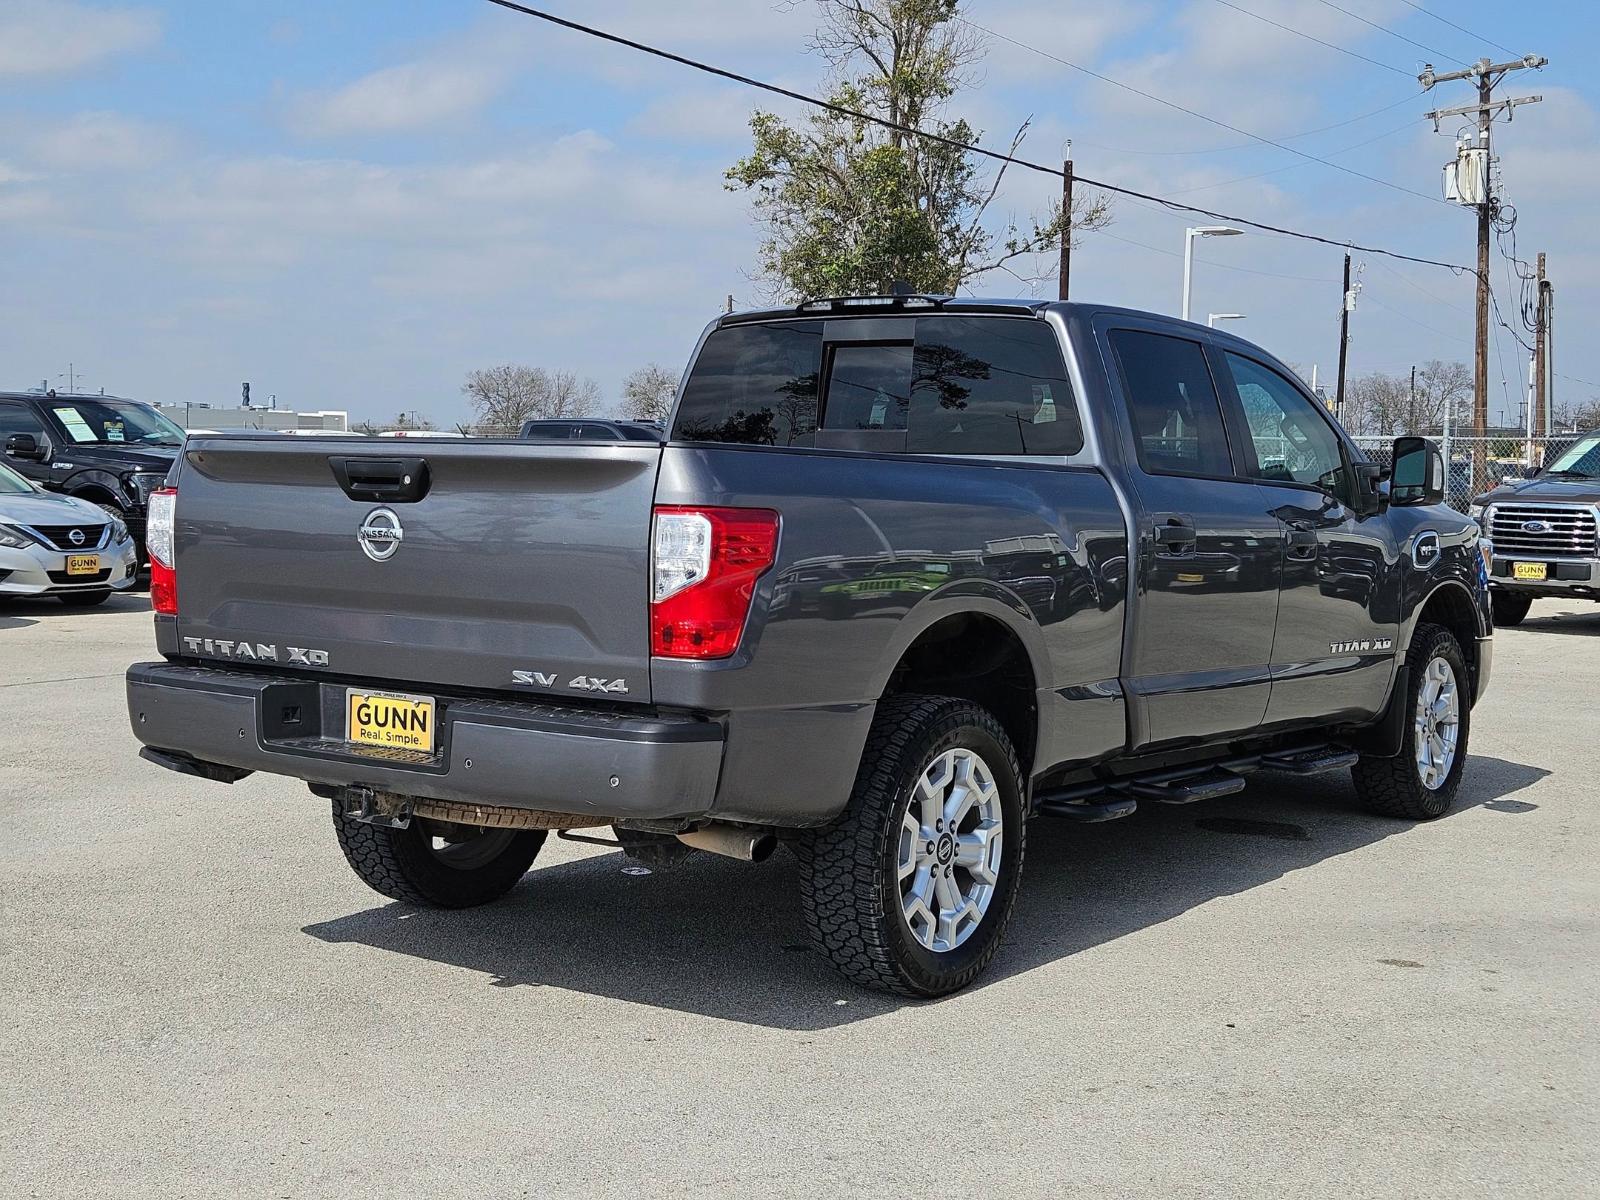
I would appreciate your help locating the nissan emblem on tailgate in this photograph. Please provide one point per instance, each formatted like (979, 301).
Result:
(380, 534)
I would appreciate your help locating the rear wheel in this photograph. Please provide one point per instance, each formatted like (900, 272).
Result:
(84, 599)
(1509, 607)
(437, 864)
(1420, 782)
(911, 890)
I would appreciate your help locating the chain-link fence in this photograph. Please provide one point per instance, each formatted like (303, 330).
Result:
(1477, 464)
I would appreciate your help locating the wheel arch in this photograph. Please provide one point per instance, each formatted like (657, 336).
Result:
(978, 644)
(1451, 605)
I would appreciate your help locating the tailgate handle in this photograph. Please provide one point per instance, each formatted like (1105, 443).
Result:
(382, 480)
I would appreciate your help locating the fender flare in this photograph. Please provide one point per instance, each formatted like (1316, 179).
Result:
(966, 596)
(1408, 627)
(98, 479)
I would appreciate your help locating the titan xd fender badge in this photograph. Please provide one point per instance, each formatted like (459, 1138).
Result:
(380, 534)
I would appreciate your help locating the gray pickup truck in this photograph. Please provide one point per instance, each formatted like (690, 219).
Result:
(1546, 533)
(904, 573)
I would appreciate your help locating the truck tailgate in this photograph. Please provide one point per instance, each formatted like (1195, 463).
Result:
(522, 566)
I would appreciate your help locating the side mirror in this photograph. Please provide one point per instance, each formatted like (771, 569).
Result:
(1418, 472)
(24, 445)
(1371, 497)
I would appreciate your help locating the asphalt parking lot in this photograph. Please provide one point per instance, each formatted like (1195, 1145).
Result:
(1271, 994)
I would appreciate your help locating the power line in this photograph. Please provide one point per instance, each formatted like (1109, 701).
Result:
(1440, 54)
(1151, 96)
(1288, 137)
(1461, 28)
(1212, 262)
(955, 143)
(1300, 33)
(1291, 166)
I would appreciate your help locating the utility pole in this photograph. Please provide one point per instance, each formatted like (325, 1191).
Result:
(1346, 305)
(1066, 227)
(1473, 179)
(1413, 416)
(1540, 337)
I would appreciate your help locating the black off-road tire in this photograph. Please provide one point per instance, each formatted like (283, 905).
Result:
(403, 865)
(849, 892)
(84, 599)
(1509, 608)
(1392, 787)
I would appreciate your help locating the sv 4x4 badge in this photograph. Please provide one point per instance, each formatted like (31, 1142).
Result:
(581, 683)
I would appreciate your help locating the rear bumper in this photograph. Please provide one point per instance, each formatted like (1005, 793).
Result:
(538, 756)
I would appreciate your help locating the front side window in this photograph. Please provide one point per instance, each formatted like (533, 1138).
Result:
(1293, 442)
(754, 385)
(991, 385)
(1177, 419)
(19, 418)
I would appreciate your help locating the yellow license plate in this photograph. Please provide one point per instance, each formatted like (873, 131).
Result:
(1529, 570)
(393, 721)
(83, 564)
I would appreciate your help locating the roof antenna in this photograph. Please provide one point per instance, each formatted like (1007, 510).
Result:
(901, 288)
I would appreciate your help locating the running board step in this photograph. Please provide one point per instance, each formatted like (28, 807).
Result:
(1086, 811)
(1311, 762)
(1186, 789)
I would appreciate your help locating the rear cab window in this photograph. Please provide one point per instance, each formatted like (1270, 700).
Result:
(950, 385)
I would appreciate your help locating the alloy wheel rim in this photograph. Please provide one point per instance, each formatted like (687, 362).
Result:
(1438, 724)
(948, 857)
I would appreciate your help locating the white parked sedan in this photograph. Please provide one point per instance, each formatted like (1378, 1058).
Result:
(60, 545)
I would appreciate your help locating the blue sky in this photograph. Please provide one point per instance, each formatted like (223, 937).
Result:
(353, 204)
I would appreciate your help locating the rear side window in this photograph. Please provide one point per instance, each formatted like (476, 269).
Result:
(754, 385)
(990, 385)
(1177, 419)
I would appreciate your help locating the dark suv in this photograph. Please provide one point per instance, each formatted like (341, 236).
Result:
(108, 450)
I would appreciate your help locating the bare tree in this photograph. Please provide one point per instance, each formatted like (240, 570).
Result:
(503, 397)
(1386, 404)
(1579, 417)
(647, 393)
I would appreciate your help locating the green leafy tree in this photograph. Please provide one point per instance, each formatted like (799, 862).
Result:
(852, 207)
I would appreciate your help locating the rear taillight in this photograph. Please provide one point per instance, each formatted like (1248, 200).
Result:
(158, 543)
(704, 566)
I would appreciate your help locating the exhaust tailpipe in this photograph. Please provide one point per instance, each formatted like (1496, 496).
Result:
(731, 841)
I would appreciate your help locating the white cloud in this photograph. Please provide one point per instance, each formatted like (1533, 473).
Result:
(100, 141)
(409, 96)
(39, 37)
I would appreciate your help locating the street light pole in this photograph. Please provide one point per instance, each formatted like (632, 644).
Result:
(1189, 236)
(1213, 318)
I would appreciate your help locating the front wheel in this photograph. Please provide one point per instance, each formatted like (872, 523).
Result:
(911, 889)
(1420, 782)
(1509, 608)
(437, 864)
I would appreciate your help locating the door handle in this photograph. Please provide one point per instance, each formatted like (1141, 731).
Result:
(1174, 533)
(1303, 544)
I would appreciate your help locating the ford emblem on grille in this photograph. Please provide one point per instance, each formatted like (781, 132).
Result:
(76, 537)
(1536, 527)
(380, 534)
